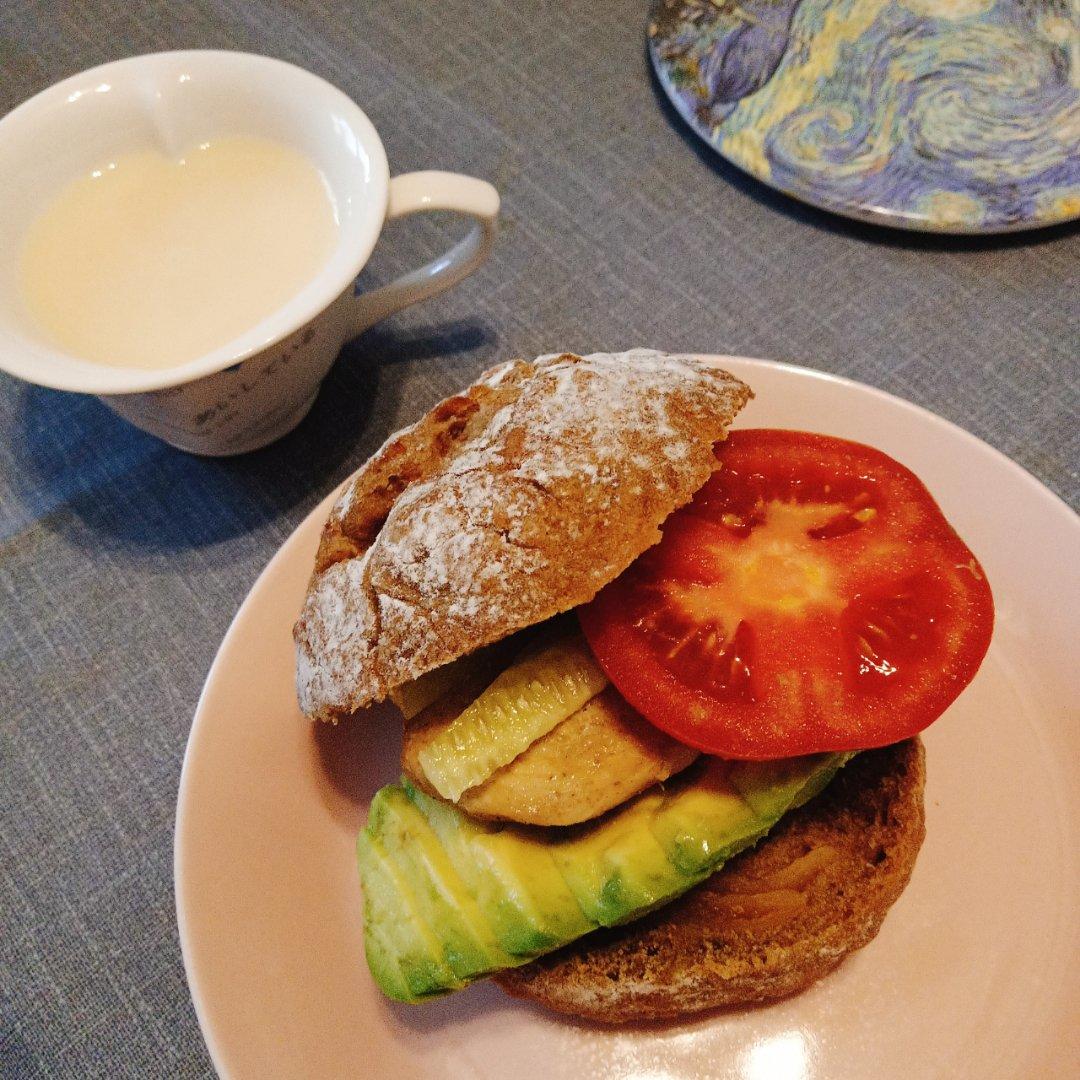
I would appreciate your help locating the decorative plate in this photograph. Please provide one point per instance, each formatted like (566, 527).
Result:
(952, 116)
(973, 975)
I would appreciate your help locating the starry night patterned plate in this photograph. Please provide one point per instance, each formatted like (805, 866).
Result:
(956, 116)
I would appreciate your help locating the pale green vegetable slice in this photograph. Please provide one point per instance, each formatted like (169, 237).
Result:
(475, 670)
(413, 697)
(523, 704)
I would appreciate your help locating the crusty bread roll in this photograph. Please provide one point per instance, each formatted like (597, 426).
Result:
(773, 921)
(505, 505)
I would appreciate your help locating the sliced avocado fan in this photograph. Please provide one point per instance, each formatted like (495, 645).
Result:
(448, 899)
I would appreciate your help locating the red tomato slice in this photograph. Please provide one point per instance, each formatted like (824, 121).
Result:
(812, 597)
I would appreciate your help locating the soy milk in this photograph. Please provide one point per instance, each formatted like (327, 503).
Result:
(152, 261)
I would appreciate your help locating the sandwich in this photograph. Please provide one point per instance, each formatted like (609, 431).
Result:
(662, 686)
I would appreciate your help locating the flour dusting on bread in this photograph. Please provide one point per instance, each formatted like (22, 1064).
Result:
(505, 505)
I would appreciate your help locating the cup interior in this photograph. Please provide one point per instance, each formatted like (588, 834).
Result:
(172, 102)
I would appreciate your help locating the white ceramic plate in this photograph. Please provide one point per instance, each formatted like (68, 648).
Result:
(974, 973)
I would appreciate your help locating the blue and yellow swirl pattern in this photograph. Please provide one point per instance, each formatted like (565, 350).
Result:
(945, 115)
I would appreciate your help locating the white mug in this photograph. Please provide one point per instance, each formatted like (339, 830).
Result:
(260, 385)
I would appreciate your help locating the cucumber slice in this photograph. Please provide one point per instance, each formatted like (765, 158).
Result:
(412, 698)
(523, 704)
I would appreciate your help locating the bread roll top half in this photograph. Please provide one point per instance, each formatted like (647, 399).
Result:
(509, 503)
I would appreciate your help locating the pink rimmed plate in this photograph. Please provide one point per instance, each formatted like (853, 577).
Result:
(974, 973)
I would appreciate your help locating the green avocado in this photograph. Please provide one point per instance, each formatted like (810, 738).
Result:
(385, 954)
(704, 820)
(448, 898)
(404, 952)
(441, 897)
(772, 788)
(618, 870)
(511, 874)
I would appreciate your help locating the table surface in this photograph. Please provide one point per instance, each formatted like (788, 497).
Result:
(122, 560)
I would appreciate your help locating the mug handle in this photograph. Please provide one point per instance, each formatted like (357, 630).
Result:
(412, 193)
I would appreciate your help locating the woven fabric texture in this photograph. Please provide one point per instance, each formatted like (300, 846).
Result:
(122, 560)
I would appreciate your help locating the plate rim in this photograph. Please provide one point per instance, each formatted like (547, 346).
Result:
(885, 219)
(216, 1051)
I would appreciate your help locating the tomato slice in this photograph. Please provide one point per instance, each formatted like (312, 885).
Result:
(812, 597)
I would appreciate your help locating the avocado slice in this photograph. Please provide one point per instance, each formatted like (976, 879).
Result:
(617, 869)
(772, 788)
(383, 954)
(473, 897)
(704, 820)
(441, 896)
(404, 953)
(512, 876)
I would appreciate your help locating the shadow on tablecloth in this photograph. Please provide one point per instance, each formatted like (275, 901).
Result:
(80, 469)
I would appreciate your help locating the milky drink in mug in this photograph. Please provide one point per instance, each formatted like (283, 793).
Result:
(151, 261)
(188, 229)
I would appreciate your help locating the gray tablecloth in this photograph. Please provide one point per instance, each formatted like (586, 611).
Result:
(122, 561)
